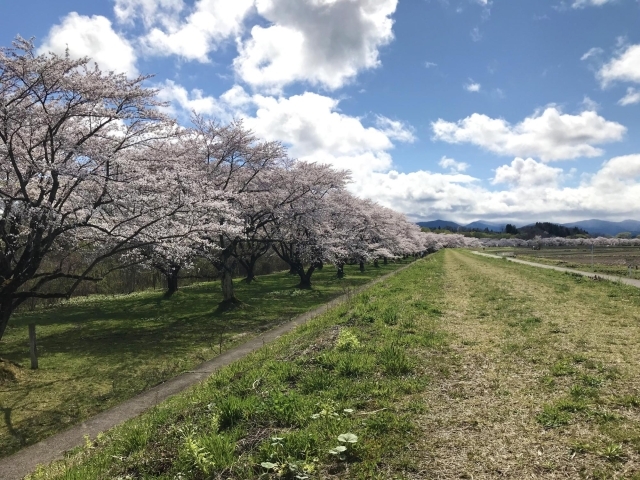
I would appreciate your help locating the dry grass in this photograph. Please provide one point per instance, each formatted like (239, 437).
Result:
(523, 339)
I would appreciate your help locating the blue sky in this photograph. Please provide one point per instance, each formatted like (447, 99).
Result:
(460, 109)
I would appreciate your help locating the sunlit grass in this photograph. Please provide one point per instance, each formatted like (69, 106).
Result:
(98, 351)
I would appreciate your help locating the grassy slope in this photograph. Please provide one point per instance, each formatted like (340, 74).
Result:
(468, 367)
(96, 352)
(262, 409)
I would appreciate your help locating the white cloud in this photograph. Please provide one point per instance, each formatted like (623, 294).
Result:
(322, 42)
(589, 104)
(92, 37)
(527, 173)
(183, 102)
(210, 23)
(430, 64)
(632, 96)
(472, 86)
(476, 34)
(548, 135)
(624, 68)
(533, 192)
(592, 53)
(453, 165)
(395, 129)
(150, 11)
(590, 3)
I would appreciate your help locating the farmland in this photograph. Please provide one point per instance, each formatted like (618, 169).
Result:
(606, 260)
(459, 367)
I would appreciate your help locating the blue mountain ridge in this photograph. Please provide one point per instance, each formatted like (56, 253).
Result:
(593, 226)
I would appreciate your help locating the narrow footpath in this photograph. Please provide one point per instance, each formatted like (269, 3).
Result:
(612, 278)
(20, 464)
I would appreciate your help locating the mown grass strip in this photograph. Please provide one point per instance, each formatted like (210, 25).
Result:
(332, 398)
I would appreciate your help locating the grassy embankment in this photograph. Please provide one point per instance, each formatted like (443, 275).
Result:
(96, 352)
(459, 367)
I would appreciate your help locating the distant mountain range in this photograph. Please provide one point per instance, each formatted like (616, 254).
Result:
(479, 225)
(594, 227)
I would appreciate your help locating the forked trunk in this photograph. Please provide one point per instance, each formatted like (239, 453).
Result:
(305, 277)
(172, 281)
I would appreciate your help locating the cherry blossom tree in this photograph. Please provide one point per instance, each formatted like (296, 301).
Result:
(67, 182)
(236, 163)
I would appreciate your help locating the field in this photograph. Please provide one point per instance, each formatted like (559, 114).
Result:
(96, 352)
(607, 260)
(458, 367)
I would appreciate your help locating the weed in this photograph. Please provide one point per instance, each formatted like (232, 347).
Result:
(613, 452)
(562, 368)
(552, 417)
(390, 316)
(347, 340)
(394, 360)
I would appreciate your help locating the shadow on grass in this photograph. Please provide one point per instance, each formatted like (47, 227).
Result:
(96, 352)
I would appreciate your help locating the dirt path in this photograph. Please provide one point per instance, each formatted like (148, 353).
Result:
(17, 466)
(539, 379)
(612, 278)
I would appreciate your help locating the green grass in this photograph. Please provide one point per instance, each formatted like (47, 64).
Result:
(285, 410)
(459, 367)
(96, 352)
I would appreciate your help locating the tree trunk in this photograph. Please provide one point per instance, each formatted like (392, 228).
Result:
(320, 265)
(340, 268)
(305, 277)
(228, 295)
(386, 261)
(361, 266)
(172, 281)
(249, 266)
(6, 309)
(376, 264)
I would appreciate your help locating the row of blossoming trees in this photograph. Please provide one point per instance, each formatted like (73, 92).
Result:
(561, 242)
(93, 174)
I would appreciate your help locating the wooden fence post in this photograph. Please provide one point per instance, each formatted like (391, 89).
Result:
(33, 347)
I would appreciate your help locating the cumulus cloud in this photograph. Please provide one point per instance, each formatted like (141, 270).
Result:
(548, 135)
(533, 191)
(183, 102)
(395, 129)
(624, 68)
(209, 23)
(92, 37)
(527, 173)
(632, 96)
(472, 86)
(322, 42)
(453, 165)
